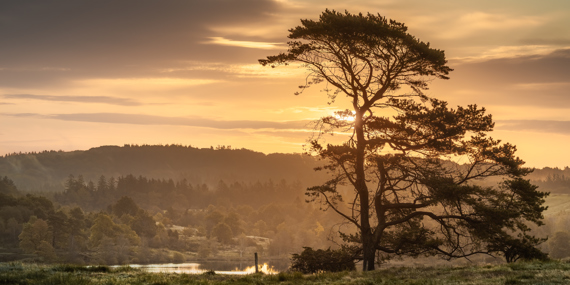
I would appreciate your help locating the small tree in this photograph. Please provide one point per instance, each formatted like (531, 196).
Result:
(223, 233)
(34, 233)
(125, 205)
(405, 195)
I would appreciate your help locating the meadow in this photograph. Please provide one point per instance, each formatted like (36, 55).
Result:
(551, 272)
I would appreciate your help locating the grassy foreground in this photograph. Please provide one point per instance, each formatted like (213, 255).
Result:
(553, 272)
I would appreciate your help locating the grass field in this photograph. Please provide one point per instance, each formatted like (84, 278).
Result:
(553, 272)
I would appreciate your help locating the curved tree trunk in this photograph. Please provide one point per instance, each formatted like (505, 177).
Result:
(368, 246)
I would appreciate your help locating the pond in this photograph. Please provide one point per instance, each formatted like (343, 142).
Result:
(220, 267)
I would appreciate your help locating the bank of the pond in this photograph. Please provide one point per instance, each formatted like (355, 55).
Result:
(554, 272)
(221, 267)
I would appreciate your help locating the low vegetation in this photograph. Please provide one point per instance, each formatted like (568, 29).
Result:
(330, 260)
(552, 272)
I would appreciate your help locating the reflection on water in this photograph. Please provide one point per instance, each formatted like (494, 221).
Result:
(262, 268)
(189, 268)
(222, 267)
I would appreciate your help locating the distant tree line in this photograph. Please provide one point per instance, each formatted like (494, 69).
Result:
(157, 194)
(134, 220)
(555, 182)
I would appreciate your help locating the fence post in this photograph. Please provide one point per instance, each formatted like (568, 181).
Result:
(256, 267)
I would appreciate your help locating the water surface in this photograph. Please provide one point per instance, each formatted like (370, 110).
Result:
(220, 267)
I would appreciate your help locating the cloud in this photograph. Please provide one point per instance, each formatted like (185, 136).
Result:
(328, 110)
(542, 86)
(546, 41)
(465, 24)
(138, 119)
(493, 21)
(244, 44)
(545, 126)
(35, 68)
(77, 99)
(509, 52)
(117, 39)
(146, 83)
(539, 81)
(237, 70)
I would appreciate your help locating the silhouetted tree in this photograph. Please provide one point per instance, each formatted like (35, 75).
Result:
(405, 198)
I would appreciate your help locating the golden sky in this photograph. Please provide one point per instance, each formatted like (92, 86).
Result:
(80, 74)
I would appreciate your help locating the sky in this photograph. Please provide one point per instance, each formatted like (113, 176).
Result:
(81, 74)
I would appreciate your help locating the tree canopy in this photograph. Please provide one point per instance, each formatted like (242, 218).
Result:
(407, 193)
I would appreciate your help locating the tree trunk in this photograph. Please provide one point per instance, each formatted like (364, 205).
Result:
(368, 250)
(368, 246)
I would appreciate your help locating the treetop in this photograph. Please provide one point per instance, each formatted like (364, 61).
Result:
(364, 56)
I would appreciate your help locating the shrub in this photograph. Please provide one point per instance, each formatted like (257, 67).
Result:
(313, 261)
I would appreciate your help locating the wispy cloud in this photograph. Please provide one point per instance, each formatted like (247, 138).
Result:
(76, 99)
(244, 44)
(467, 24)
(545, 126)
(541, 86)
(239, 70)
(146, 83)
(138, 119)
(35, 68)
(505, 52)
(540, 81)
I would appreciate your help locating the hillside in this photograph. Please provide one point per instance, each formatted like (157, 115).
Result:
(48, 170)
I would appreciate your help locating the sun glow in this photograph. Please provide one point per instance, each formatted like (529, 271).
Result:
(262, 268)
(243, 44)
(345, 115)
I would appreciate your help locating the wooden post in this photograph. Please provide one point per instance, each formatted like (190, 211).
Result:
(256, 267)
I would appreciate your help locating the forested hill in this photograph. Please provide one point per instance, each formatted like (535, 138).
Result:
(48, 170)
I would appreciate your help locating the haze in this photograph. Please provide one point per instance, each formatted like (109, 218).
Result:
(80, 74)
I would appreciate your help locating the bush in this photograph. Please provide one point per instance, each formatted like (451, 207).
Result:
(313, 261)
